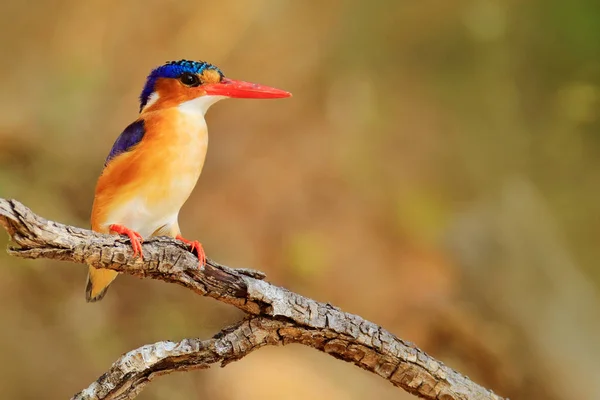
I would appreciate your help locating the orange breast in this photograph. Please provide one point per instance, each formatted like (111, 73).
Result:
(145, 187)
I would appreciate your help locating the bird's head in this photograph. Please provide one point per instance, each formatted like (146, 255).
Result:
(197, 85)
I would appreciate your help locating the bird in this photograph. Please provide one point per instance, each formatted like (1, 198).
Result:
(154, 164)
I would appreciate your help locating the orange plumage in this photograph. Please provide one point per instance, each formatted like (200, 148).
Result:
(154, 167)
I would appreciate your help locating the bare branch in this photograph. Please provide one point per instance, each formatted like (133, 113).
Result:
(278, 316)
(134, 370)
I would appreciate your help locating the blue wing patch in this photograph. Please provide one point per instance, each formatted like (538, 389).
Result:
(131, 136)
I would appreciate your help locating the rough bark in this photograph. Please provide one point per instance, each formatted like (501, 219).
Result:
(275, 315)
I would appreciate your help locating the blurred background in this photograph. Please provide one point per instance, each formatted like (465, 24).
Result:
(437, 172)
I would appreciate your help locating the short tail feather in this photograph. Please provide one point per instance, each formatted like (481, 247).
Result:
(98, 281)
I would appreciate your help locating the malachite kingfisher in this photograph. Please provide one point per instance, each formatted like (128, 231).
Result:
(154, 164)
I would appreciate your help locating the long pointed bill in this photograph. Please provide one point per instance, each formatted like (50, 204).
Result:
(243, 90)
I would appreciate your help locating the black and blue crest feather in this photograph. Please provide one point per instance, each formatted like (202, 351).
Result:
(173, 69)
(131, 136)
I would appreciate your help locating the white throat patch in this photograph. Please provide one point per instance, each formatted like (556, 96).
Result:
(199, 105)
(151, 99)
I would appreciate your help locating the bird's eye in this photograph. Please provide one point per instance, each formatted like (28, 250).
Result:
(189, 79)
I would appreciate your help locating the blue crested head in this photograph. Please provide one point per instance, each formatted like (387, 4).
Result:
(174, 69)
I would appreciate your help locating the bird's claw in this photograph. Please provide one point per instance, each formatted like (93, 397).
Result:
(135, 238)
(195, 246)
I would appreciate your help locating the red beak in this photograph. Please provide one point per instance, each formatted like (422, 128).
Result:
(243, 90)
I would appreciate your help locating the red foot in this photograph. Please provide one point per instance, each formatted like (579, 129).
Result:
(135, 238)
(195, 245)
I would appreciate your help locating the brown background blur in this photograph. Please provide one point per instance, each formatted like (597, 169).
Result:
(437, 172)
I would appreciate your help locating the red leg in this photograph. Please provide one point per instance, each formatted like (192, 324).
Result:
(135, 238)
(195, 245)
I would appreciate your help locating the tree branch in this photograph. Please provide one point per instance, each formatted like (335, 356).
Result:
(276, 315)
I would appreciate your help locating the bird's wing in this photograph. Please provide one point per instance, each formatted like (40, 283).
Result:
(131, 136)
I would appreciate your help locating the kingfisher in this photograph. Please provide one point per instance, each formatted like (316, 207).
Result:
(155, 163)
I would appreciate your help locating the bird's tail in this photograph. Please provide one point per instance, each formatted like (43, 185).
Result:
(97, 283)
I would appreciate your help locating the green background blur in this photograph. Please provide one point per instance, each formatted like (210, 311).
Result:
(437, 172)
